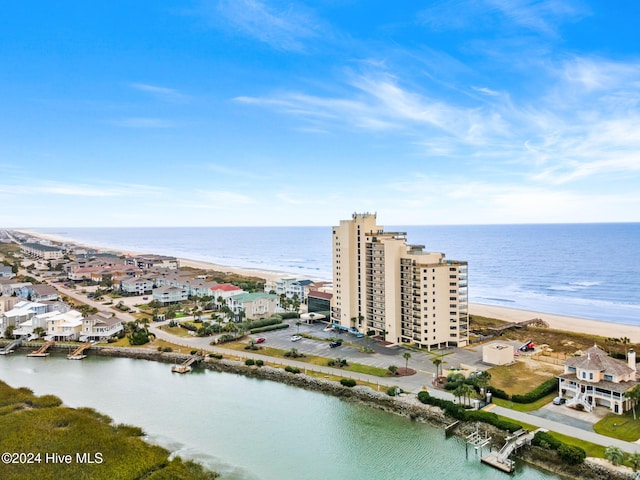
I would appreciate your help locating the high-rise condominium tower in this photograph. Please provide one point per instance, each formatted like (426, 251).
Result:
(399, 291)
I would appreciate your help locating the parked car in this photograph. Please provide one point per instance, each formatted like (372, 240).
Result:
(335, 344)
(295, 338)
(558, 401)
(261, 340)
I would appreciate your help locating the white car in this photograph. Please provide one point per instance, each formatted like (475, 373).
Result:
(295, 338)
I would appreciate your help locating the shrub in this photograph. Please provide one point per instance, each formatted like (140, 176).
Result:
(227, 338)
(259, 363)
(269, 328)
(572, 455)
(288, 315)
(393, 391)
(545, 440)
(193, 352)
(497, 393)
(217, 356)
(347, 382)
(393, 370)
(291, 369)
(167, 349)
(262, 323)
(537, 393)
(249, 362)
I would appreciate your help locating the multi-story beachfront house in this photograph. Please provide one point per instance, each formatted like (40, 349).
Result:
(39, 293)
(21, 312)
(595, 379)
(100, 326)
(222, 291)
(44, 252)
(401, 292)
(64, 326)
(137, 286)
(167, 295)
(254, 305)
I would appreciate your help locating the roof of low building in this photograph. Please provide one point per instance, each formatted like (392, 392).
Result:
(39, 246)
(619, 387)
(225, 287)
(44, 290)
(250, 297)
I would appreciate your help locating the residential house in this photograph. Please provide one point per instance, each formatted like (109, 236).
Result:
(6, 271)
(39, 293)
(64, 326)
(167, 295)
(37, 250)
(26, 329)
(254, 305)
(222, 292)
(595, 379)
(9, 288)
(137, 286)
(298, 289)
(149, 261)
(100, 326)
(21, 312)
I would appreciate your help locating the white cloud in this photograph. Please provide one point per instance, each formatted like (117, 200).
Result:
(162, 93)
(287, 26)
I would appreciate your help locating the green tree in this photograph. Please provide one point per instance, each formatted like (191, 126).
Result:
(614, 455)
(467, 392)
(634, 396)
(393, 369)
(437, 362)
(8, 332)
(298, 323)
(406, 356)
(634, 460)
(39, 331)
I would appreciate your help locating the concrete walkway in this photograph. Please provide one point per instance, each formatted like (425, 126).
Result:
(413, 383)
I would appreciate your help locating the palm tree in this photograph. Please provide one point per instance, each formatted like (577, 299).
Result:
(634, 396)
(458, 393)
(406, 356)
(467, 391)
(634, 460)
(614, 455)
(437, 362)
(298, 323)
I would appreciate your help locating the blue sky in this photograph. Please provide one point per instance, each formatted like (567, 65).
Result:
(256, 112)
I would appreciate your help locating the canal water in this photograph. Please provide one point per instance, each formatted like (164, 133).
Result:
(249, 429)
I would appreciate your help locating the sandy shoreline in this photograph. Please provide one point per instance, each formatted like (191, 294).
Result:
(558, 322)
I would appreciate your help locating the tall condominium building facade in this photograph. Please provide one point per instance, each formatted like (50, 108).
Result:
(399, 291)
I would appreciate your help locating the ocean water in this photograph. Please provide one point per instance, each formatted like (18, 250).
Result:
(583, 270)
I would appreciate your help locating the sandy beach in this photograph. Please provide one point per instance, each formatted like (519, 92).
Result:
(558, 322)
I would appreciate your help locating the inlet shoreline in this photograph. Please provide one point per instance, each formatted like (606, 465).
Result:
(598, 327)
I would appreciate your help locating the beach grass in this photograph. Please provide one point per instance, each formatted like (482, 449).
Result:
(519, 377)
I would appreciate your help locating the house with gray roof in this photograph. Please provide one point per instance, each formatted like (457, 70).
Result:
(595, 379)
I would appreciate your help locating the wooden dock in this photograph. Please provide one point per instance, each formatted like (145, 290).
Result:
(78, 354)
(9, 348)
(537, 322)
(42, 351)
(185, 367)
(500, 459)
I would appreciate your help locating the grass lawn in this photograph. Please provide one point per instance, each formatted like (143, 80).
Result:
(311, 359)
(524, 407)
(520, 377)
(623, 427)
(592, 449)
(177, 331)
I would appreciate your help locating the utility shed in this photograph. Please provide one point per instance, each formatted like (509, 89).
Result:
(497, 354)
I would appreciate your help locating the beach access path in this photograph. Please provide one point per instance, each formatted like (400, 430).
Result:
(412, 383)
